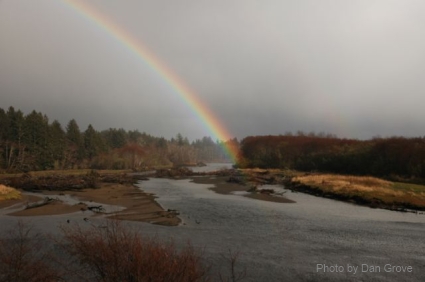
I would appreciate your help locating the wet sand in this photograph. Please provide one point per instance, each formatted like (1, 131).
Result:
(53, 208)
(136, 204)
(25, 199)
(139, 206)
(221, 186)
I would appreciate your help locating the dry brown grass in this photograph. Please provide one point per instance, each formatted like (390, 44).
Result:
(9, 193)
(62, 172)
(366, 187)
(334, 182)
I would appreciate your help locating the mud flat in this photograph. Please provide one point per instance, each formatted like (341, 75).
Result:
(122, 201)
(223, 186)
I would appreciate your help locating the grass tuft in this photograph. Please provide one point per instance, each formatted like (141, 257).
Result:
(9, 193)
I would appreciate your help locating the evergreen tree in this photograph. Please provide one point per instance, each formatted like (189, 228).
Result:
(115, 138)
(57, 143)
(36, 140)
(73, 133)
(14, 148)
(92, 142)
(134, 136)
(75, 150)
(3, 136)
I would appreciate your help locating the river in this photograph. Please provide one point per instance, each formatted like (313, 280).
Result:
(314, 239)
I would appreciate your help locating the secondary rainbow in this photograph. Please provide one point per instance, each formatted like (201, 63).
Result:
(209, 120)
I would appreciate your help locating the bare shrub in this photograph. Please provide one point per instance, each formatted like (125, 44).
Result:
(23, 256)
(234, 275)
(116, 253)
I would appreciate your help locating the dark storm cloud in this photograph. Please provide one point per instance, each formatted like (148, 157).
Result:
(353, 68)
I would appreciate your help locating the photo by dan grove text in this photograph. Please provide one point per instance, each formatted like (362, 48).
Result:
(354, 269)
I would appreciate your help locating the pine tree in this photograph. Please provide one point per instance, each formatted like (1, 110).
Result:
(92, 142)
(3, 137)
(14, 147)
(57, 143)
(36, 140)
(115, 138)
(75, 145)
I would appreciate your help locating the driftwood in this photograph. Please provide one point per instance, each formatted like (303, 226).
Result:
(236, 179)
(174, 212)
(266, 191)
(96, 208)
(46, 201)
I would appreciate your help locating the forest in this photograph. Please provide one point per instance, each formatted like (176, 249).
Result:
(392, 158)
(31, 142)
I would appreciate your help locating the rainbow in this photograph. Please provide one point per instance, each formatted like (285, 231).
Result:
(208, 119)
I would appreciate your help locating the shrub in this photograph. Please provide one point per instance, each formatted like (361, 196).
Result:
(115, 253)
(24, 258)
(109, 253)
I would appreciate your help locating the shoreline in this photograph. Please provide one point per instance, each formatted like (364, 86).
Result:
(360, 200)
(130, 201)
(118, 197)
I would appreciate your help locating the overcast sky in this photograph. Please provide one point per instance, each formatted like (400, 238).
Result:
(351, 68)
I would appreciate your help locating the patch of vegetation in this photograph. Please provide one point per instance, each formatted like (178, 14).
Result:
(69, 180)
(370, 191)
(116, 253)
(63, 172)
(409, 187)
(9, 193)
(397, 158)
(111, 253)
(23, 257)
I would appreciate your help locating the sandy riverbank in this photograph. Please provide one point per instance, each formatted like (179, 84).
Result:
(129, 201)
(25, 199)
(136, 205)
(221, 186)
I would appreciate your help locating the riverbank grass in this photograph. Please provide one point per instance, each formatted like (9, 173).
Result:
(369, 189)
(65, 172)
(9, 193)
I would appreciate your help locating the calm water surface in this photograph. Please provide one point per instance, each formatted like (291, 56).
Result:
(287, 242)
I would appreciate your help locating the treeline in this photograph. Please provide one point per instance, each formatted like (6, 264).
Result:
(32, 142)
(382, 157)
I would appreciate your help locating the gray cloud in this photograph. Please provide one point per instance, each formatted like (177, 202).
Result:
(353, 68)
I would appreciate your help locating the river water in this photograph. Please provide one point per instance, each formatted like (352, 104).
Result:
(314, 239)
